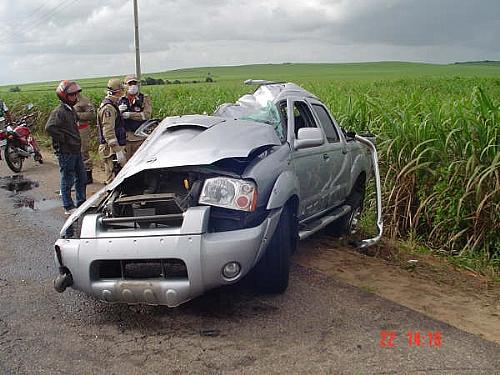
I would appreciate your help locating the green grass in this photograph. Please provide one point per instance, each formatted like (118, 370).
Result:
(299, 72)
(437, 128)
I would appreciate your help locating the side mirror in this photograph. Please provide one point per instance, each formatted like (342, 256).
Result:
(309, 137)
(147, 128)
(349, 135)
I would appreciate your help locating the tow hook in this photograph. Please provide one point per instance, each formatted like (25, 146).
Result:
(63, 280)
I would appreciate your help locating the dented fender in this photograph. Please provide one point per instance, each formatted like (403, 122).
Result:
(286, 186)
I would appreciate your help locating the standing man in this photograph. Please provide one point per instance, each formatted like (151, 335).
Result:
(136, 109)
(86, 115)
(62, 126)
(4, 113)
(112, 137)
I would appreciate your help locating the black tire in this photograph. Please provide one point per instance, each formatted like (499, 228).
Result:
(15, 164)
(347, 224)
(272, 271)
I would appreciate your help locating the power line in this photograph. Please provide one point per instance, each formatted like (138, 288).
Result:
(35, 22)
(38, 10)
(22, 17)
(64, 4)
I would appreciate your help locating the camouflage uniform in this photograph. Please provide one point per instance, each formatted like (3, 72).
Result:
(111, 131)
(138, 111)
(86, 116)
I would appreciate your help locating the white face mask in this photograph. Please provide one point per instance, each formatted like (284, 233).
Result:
(133, 89)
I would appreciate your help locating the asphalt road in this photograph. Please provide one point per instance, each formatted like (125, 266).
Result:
(320, 325)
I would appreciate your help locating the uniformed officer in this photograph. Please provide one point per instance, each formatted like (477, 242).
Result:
(4, 113)
(111, 130)
(136, 109)
(86, 116)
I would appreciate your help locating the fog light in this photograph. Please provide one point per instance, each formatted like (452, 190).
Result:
(231, 270)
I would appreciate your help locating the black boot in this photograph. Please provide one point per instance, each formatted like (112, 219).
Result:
(38, 157)
(90, 180)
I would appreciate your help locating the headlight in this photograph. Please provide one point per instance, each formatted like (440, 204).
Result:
(229, 193)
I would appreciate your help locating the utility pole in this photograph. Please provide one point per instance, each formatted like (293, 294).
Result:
(136, 40)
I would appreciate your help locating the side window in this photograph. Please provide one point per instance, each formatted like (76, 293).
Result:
(303, 117)
(326, 122)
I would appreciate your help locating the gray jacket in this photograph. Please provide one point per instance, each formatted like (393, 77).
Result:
(62, 126)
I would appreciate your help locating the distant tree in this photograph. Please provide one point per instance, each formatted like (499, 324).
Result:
(209, 79)
(168, 82)
(160, 81)
(15, 89)
(150, 81)
(176, 81)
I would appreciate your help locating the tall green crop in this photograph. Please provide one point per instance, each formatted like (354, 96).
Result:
(438, 140)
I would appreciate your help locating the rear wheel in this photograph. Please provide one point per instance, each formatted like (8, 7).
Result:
(272, 271)
(348, 224)
(13, 159)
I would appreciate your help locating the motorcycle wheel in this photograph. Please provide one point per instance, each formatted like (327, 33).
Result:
(13, 159)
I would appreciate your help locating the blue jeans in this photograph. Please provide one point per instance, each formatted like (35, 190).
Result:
(72, 172)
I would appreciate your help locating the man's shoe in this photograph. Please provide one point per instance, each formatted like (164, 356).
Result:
(38, 158)
(70, 211)
(90, 180)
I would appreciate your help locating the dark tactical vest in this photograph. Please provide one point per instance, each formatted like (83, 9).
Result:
(120, 133)
(136, 106)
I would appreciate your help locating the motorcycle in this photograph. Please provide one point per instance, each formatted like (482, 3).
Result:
(18, 144)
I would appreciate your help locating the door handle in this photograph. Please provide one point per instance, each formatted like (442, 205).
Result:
(326, 157)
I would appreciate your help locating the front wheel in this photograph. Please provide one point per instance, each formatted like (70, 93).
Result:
(13, 159)
(273, 269)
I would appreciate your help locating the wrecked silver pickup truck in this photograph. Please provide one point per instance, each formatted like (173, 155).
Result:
(207, 199)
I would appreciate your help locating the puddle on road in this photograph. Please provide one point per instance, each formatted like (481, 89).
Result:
(17, 183)
(47, 204)
(24, 202)
(43, 205)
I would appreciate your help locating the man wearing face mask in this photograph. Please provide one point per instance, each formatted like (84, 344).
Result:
(62, 126)
(135, 108)
(111, 130)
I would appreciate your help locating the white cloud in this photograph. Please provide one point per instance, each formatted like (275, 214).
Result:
(55, 39)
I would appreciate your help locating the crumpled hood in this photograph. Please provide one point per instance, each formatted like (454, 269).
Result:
(197, 140)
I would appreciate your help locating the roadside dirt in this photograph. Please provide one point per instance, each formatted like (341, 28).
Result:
(430, 286)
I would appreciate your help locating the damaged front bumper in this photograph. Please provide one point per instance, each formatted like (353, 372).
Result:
(159, 266)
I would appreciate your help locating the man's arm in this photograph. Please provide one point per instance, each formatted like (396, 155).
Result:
(145, 114)
(85, 110)
(53, 127)
(108, 118)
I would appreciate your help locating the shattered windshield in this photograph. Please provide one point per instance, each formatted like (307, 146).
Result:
(258, 107)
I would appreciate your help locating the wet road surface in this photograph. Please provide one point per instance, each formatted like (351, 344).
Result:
(320, 325)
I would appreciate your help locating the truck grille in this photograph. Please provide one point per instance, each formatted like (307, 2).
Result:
(133, 269)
